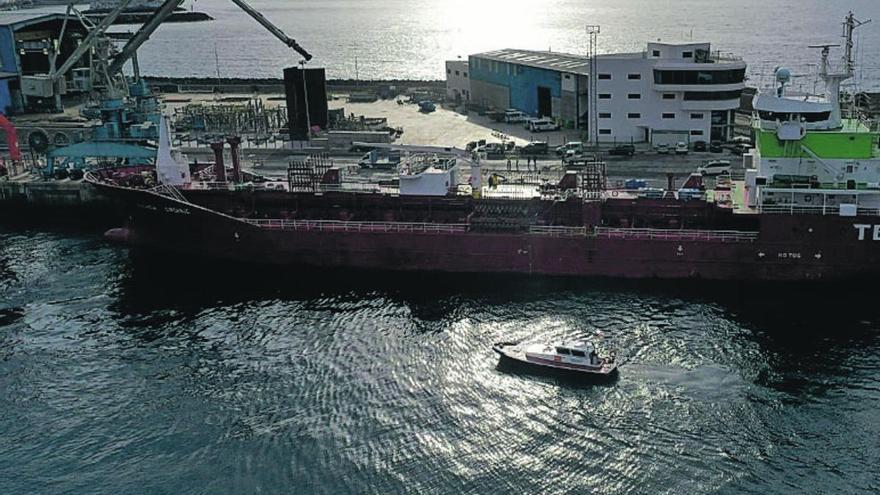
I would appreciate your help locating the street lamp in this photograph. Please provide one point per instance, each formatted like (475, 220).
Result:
(302, 64)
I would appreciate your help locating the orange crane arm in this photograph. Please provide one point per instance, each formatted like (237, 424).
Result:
(11, 138)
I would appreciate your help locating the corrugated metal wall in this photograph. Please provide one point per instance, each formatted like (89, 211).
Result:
(7, 64)
(489, 78)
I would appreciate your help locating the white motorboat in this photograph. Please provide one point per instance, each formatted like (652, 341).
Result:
(580, 358)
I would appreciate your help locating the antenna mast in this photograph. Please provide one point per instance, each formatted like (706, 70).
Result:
(849, 25)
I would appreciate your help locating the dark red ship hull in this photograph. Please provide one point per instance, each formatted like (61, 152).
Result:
(783, 247)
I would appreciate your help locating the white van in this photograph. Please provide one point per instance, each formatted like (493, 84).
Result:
(512, 116)
(543, 124)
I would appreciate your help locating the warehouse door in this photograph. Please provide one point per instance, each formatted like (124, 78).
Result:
(545, 106)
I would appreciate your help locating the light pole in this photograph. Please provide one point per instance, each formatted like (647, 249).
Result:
(302, 64)
(593, 32)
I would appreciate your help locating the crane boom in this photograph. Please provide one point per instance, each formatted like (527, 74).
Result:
(90, 40)
(143, 34)
(287, 40)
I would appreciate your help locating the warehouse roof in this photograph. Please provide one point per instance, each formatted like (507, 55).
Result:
(562, 62)
(19, 19)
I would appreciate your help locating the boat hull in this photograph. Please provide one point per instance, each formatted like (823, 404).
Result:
(787, 247)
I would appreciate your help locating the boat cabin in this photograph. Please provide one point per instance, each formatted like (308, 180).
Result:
(576, 353)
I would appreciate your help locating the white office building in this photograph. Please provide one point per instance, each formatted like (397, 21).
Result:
(458, 84)
(665, 94)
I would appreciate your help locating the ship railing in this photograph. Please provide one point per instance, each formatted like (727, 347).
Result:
(559, 231)
(645, 234)
(792, 209)
(676, 235)
(367, 227)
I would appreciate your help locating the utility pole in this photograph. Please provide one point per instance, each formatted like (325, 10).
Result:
(302, 64)
(593, 126)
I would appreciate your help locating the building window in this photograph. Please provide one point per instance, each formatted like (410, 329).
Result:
(457, 73)
(604, 115)
(656, 53)
(633, 115)
(464, 74)
(687, 54)
(604, 96)
(605, 131)
(668, 96)
(604, 76)
(732, 76)
(634, 77)
(634, 96)
(567, 76)
(449, 71)
(696, 116)
(668, 115)
(696, 133)
(712, 95)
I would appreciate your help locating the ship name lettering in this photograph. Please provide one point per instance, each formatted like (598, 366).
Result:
(793, 256)
(863, 228)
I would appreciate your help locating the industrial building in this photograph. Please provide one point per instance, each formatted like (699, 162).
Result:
(665, 94)
(28, 44)
(537, 83)
(458, 86)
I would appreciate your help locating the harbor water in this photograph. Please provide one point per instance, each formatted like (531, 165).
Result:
(126, 373)
(411, 39)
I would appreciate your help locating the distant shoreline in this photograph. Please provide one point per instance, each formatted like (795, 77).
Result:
(276, 85)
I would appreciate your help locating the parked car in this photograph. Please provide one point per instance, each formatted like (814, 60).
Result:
(427, 106)
(742, 140)
(576, 146)
(535, 148)
(543, 124)
(681, 148)
(740, 149)
(715, 147)
(700, 145)
(622, 150)
(512, 116)
(715, 167)
(663, 149)
(492, 150)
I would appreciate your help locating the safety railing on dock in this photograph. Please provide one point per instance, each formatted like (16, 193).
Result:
(676, 235)
(367, 227)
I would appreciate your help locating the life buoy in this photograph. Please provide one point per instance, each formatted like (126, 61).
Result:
(614, 193)
(808, 198)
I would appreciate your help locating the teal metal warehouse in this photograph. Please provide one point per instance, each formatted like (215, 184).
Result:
(541, 84)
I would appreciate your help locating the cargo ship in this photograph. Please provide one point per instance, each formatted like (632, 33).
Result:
(807, 208)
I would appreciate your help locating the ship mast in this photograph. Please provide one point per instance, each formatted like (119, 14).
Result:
(833, 80)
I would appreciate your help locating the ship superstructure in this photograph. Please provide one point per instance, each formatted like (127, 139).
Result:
(809, 156)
